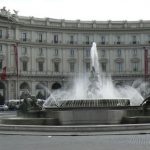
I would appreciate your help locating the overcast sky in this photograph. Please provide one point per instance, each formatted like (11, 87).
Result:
(101, 10)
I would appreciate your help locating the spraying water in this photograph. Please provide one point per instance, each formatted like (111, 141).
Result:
(97, 86)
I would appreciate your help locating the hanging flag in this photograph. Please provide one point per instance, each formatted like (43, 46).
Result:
(3, 74)
(145, 60)
(16, 57)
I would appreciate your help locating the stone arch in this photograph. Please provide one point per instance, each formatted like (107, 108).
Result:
(25, 86)
(2, 93)
(24, 89)
(40, 91)
(56, 86)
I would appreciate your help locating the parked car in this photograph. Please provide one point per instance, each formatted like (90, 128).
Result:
(3, 107)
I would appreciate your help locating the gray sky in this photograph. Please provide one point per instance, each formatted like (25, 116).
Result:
(101, 10)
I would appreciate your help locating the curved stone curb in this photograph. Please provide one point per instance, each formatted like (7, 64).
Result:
(74, 129)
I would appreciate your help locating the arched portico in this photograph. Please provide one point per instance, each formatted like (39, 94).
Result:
(56, 86)
(40, 91)
(24, 88)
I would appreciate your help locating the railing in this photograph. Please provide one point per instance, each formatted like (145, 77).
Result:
(25, 40)
(41, 41)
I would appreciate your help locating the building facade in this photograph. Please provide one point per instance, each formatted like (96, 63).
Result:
(51, 52)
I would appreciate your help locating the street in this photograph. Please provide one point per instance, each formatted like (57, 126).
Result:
(98, 142)
(127, 140)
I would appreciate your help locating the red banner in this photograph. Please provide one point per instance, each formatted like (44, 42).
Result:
(3, 74)
(16, 57)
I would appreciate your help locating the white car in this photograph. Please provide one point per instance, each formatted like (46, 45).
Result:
(3, 107)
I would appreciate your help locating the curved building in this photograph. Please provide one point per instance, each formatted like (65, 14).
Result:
(51, 52)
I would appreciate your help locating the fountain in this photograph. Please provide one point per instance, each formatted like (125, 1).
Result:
(92, 100)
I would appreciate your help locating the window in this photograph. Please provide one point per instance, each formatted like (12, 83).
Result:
(72, 67)
(149, 39)
(24, 65)
(71, 39)
(102, 40)
(56, 52)
(24, 36)
(103, 52)
(7, 33)
(135, 66)
(0, 48)
(87, 40)
(119, 67)
(87, 65)
(1, 64)
(134, 52)
(87, 51)
(56, 67)
(119, 52)
(55, 38)
(40, 64)
(71, 52)
(103, 65)
(24, 50)
(118, 39)
(149, 67)
(0, 33)
(40, 37)
(134, 39)
(40, 52)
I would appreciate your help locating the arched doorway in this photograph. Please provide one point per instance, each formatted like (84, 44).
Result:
(56, 86)
(24, 90)
(2, 93)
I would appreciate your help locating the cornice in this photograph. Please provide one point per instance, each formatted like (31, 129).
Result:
(77, 28)
(134, 60)
(103, 60)
(40, 59)
(56, 60)
(24, 58)
(73, 25)
(82, 29)
(119, 60)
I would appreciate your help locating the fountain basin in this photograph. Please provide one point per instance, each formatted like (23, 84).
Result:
(99, 115)
(29, 121)
(89, 111)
